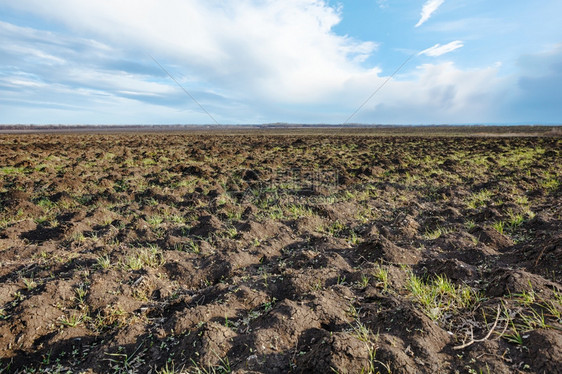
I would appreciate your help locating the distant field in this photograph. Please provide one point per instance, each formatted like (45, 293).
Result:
(380, 130)
(281, 249)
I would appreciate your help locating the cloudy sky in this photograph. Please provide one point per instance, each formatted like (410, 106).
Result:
(263, 61)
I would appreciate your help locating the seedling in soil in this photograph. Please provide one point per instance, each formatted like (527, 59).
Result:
(193, 247)
(469, 224)
(80, 294)
(150, 256)
(522, 200)
(352, 311)
(373, 363)
(479, 199)
(499, 226)
(265, 275)
(381, 275)
(9, 170)
(515, 219)
(103, 262)
(558, 297)
(227, 323)
(316, 286)
(73, 320)
(526, 297)
(440, 295)
(353, 239)
(438, 232)
(514, 337)
(17, 298)
(155, 221)
(222, 368)
(169, 370)
(551, 184)
(123, 363)
(341, 280)
(335, 229)
(364, 281)
(78, 237)
(233, 215)
(46, 204)
(276, 213)
(230, 232)
(30, 284)
(298, 211)
(361, 332)
(534, 320)
(553, 311)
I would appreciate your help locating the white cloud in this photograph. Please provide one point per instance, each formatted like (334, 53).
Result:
(280, 50)
(439, 93)
(246, 61)
(438, 49)
(428, 9)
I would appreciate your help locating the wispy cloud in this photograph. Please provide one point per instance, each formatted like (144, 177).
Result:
(438, 49)
(251, 61)
(428, 9)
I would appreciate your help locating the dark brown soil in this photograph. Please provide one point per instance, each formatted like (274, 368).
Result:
(189, 253)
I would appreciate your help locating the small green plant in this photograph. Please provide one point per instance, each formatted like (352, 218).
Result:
(515, 219)
(79, 237)
(18, 296)
(9, 170)
(551, 183)
(534, 320)
(80, 292)
(168, 369)
(440, 295)
(103, 262)
(364, 282)
(177, 218)
(123, 363)
(113, 316)
(73, 320)
(353, 239)
(438, 232)
(316, 286)
(276, 213)
(381, 275)
(522, 200)
(222, 367)
(150, 256)
(499, 226)
(335, 229)
(526, 297)
(514, 336)
(341, 280)
(231, 232)
(479, 199)
(298, 211)
(352, 311)
(30, 284)
(470, 224)
(193, 247)
(361, 332)
(552, 310)
(155, 221)
(46, 204)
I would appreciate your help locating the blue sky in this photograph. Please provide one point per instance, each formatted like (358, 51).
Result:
(263, 61)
